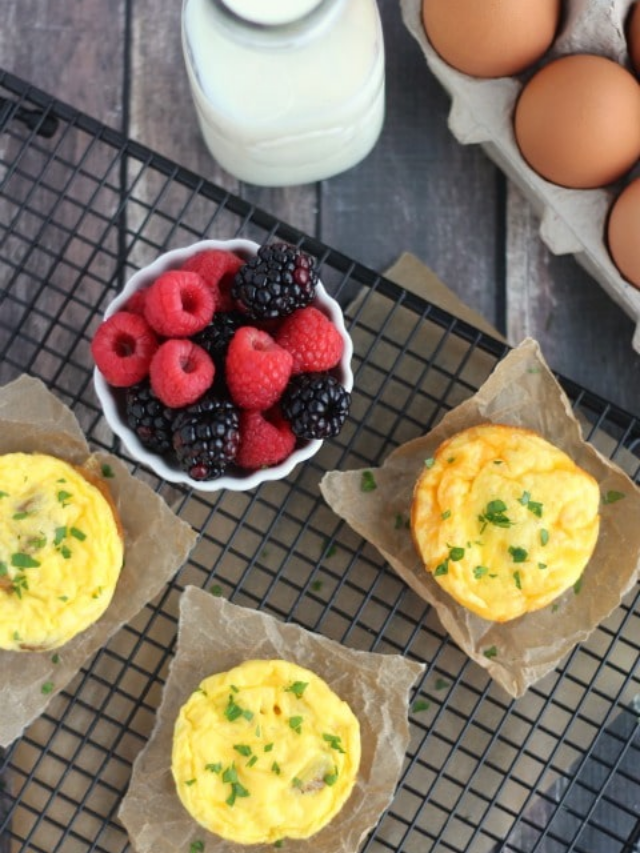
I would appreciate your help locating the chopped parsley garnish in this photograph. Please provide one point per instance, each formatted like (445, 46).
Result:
(420, 705)
(296, 783)
(64, 497)
(517, 580)
(577, 586)
(20, 516)
(275, 768)
(230, 777)
(297, 688)
(279, 843)
(19, 585)
(518, 555)
(456, 554)
(55, 658)
(442, 569)
(16, 636)
(498, 461)
(532, 506)
(495, 514)
(4, 494)
(329, 549)
(107, 470)
(252, 761)
(196, 847)
(542, 565)
(334, 742)
(544, 536)
(47, 687)
(3, 569)
(401, 521)
(430, 462)
(295, 723)
(216, 590)
(612, 496)
(446, 514)
(316, 586)
(214, 768)
(60, 534)
(331, 778)
(368, 482)
(491, 652)
(268, 747)
(190, 782)
(78, 534)
(64, 598)
(23, 561)
(233, 711)
(451, 460)
(242, 748)
(441, 684)
(480, 572)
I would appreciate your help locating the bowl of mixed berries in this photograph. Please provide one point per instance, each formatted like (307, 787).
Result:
(224, 364)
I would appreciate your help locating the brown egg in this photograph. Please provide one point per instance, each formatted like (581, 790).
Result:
(491, 38)
(577, 121)
(633, 36)
(623, 232)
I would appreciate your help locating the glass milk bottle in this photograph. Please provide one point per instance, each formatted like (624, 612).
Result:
(286, 91)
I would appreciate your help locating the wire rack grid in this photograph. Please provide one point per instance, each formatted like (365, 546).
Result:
(81, 209)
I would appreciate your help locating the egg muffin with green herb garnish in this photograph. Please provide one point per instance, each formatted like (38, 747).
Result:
(61, 551)
(504, 521)
(265, 751)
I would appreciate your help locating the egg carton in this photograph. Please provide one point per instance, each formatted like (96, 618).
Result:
(571, 221)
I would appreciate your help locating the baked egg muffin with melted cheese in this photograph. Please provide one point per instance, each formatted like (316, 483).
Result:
(265, 751)
(61, 551)
(504, 520)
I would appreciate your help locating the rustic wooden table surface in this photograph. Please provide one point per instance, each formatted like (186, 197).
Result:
(419, 190)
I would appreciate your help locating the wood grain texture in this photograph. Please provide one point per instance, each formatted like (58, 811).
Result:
(419, 190)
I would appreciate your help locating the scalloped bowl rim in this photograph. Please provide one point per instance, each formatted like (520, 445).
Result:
(144, 276)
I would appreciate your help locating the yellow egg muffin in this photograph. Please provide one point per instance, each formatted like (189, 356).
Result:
(265, 751)
(503, 520)
(61, 551)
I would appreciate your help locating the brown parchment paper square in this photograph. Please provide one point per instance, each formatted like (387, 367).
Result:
(157, 543)
(521, 391)
(215, 635)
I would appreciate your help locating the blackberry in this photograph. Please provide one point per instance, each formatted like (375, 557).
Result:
(316, 405)
(150, 419)
(215, 337)
(280, 279)
(206, 436)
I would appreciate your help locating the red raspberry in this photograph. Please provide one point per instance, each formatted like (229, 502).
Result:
(217, 267)
(257, 369)
(122, 348)
(266, 439)
(180, 372)
(312, 339)
(135, 303)
(179, 304)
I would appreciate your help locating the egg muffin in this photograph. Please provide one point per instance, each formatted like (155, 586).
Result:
(61, 551)
(504, 521)
(265, 751)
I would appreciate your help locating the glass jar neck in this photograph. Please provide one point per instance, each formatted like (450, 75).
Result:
(269, 23)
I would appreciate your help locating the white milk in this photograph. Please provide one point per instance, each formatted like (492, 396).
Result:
(283, 99)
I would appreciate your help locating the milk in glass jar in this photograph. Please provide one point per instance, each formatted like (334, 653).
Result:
(286, 91)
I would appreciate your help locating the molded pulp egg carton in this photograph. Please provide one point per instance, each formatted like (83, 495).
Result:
(572, 221)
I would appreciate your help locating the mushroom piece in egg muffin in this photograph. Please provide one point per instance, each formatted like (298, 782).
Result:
(504, 521)
(61, 551)
(265, 751)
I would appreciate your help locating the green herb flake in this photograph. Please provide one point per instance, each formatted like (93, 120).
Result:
(66, 552)
(196, 847)
(517, 580)
(16, 636)
(480, 572)
(55, 658)
(23, 561)
(296, 783)
(64, 598)
(498, 462)
(612, 497)
(60, 534)
(214, 768)
(78, 534)
(4, 494)
(64, 497)
(555, 607)
(456, 554)
(491, 652)
(268, 747)
(237, 790)
(252, 761)
(330, 779)
(295, 723)
(47, 688)
(334, 742)
(297, 688)
(442, 569)
(243, 749)
(495, 514)
(577, 586)
(19, 585)
(542, 565)
(329, 549)
(233, 711)
(446, 514)
(4, 569)
(316, 586)
(420, 705)
(544, 536)
(451, 460)
(20, 516)
(430, 462)
(524, 500)
(441, 684)
(275, 768)
(216, 590)
(518, 555)
(190, 782)
(107, 471)
(368, 482)
(279, 843)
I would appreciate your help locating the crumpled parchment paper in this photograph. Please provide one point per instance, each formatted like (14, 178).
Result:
(157, 543)
(215, 635)
(521, 391)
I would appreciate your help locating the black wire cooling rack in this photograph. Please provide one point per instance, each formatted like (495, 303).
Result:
(559, 770)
